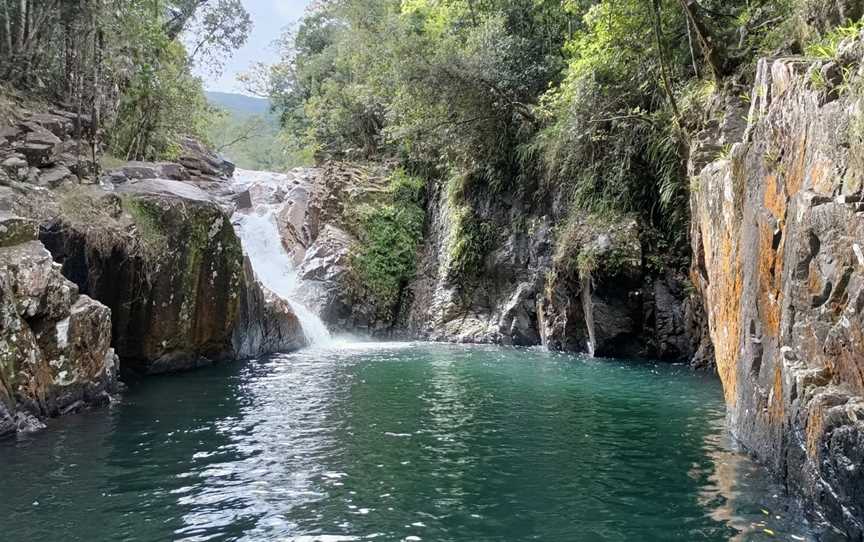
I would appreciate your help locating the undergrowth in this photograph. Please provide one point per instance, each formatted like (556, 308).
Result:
(390, 232)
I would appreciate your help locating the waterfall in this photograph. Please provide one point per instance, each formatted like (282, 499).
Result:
(262, 243)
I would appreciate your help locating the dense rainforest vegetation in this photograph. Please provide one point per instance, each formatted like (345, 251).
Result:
(595, 100)
(591, 103)
(129, 63)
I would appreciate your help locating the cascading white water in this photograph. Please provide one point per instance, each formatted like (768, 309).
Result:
(261, 241)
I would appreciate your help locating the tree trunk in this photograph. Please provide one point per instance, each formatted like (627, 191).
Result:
(7, 19)
(22, 24)
(711, 52)
(661, 55)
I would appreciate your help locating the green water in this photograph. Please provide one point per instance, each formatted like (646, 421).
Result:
(396, 442)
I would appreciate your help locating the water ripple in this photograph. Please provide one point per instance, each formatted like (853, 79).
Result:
(370, 441)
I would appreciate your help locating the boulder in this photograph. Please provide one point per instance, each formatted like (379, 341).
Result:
(82, 122)
(38, 154)
(14, 164)
(58, 125)
(153, 170)
(10, 133)
(55, 345)
(266, 323)
(172, 274)
(15, 230)
(326, 280)
(55, 176)
(197, 158)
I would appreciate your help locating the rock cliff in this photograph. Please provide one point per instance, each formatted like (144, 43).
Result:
(165, 258)
(585, 286)
(778, 238)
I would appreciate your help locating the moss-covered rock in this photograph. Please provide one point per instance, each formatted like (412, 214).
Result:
(15, 230)
(171, 269)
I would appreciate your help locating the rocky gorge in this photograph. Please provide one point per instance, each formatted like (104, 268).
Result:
(139, 268)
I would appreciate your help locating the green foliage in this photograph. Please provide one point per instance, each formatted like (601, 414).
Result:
(471, 241)
(826, 46)
(122, 62)
(161, 103)
(592, 102)
(390, 233)
(254, 142)
(577, 252)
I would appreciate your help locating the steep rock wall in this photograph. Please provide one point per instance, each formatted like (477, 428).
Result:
(164, 256)
(526, 293)
(778, 235)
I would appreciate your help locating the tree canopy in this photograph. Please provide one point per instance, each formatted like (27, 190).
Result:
(123, 61)
(595, 98)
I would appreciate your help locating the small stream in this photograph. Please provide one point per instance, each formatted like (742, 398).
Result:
(412, 441)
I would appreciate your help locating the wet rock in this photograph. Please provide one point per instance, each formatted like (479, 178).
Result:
(325, 276)
(500, 304)
(266, 323)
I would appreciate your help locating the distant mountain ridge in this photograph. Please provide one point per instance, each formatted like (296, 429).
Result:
(240, 104)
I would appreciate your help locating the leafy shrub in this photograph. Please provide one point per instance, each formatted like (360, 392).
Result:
(390, 233)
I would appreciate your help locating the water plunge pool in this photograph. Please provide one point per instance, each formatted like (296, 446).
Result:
(397, 442)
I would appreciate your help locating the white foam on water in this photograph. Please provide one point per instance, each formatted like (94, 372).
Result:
(262, 243)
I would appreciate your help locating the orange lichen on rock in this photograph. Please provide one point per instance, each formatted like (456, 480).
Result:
(725, 309)
(814, 430)
(797, 170)
(775, 407)
(774, 198)
(770, 270)
(820, 181)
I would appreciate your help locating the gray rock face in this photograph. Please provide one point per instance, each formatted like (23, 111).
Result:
(55, 345)
(266, 323)
(501, 307)
(525, 296)
(55, 176)
(199, 160)
(150, 170)
(325, 277)
(778, 234)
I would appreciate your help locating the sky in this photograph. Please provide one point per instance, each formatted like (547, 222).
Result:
(269, 17)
